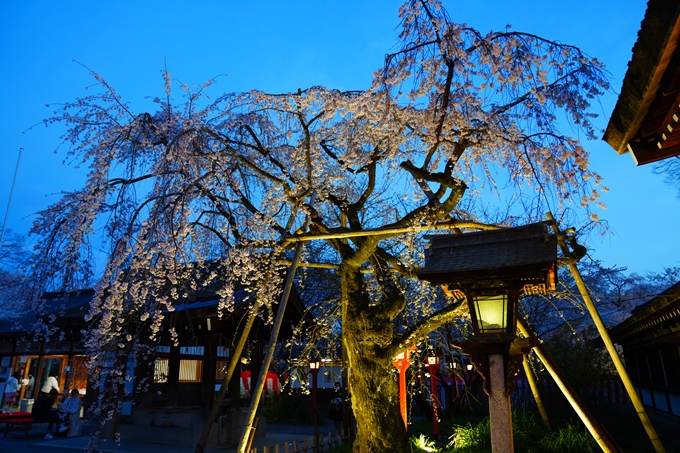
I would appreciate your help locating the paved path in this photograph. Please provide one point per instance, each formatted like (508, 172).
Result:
(36, 443)
(667, 426)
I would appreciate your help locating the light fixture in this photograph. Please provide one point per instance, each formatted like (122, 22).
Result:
(492, 313)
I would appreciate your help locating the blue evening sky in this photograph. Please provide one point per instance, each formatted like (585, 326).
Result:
(279, 46)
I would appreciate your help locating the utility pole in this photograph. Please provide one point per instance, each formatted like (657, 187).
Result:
(9, 202)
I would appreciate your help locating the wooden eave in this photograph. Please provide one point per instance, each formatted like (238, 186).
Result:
(660, 317)
(645, 120)
(231, 321)
(70, 309)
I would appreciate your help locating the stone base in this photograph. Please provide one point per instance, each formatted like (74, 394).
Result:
(234, 421)
(168, 428)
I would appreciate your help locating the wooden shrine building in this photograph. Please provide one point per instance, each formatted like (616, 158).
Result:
(186, 376)
(650, 339)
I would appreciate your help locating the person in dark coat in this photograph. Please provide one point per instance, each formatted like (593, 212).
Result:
(43, 411)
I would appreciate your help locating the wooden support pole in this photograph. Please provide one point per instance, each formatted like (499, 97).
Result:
(251, 435)
(534, 391)
(584, 414)
(609, 344)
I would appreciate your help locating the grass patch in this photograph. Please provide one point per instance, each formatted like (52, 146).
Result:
(471, 438)
(569, 439)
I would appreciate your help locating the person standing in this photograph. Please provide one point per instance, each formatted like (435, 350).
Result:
(29, 386)
(10, 394)
(51, 383)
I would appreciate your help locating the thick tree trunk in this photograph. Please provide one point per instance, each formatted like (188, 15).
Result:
(374, 389)
(375, 402)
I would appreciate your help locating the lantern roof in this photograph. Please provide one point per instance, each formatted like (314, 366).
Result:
(524, 254)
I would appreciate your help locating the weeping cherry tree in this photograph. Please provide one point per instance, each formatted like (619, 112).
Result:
(200, 191)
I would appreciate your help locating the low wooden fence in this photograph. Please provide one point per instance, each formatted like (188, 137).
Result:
(608, 390)
(304, 445)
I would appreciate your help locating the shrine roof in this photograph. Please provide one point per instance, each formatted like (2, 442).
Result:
(645, 120)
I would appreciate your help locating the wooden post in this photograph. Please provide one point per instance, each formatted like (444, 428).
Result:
(609, 344)
(584, 414)
(251, 435)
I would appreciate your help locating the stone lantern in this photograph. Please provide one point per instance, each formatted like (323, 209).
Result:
(490, 270)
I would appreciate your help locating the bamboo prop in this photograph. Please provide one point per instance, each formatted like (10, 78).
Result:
(449, 224)
(609, 344)
(255, 397)
(537, 396)
(584, 414)
(233, 361)
(345, 371)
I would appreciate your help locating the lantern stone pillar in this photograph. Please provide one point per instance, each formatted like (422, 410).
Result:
(500, 413)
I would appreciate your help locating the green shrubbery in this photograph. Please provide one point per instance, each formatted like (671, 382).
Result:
(471, 438)
(569, 439)
(529, 436)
